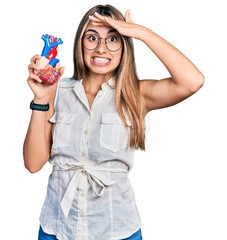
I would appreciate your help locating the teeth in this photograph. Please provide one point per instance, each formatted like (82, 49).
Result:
(101, 60)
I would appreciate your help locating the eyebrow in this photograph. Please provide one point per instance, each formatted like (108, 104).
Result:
(110, 31)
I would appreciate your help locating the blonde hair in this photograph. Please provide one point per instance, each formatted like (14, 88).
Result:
(128, 98)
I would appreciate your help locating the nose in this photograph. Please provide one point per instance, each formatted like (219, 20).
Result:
(102, 45)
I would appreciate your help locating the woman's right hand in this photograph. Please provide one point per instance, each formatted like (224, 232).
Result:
(42, 92)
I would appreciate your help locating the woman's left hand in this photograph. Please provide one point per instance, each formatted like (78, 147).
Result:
(127, 28)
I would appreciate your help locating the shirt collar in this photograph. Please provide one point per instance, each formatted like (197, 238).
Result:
(104, 86)
(111, 82)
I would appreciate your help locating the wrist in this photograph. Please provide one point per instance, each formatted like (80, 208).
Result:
(39, 107)
(138, 32)
(145, 33)
(41, 100)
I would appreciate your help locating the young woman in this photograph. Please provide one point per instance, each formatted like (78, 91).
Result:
(94, 124)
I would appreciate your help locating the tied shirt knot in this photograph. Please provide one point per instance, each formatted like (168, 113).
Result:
(95, 176)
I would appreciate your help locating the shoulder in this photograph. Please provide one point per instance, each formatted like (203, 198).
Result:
(63, 83)
(66, 82)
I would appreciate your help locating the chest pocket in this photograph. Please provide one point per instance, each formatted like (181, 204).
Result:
(113, 132)
(61, 132)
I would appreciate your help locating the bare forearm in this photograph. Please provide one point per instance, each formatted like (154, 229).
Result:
(35, 150)
(182, 70)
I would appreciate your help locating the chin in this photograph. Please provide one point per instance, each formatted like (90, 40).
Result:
(100, 71)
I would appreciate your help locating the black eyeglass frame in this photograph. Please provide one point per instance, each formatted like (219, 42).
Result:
(99, 43)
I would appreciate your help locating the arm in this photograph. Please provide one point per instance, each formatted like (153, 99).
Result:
(185, 78)
(38, 140)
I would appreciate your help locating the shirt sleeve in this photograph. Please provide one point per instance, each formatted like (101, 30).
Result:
(56, 95)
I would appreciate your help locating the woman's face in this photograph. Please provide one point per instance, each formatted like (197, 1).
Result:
(101, 61)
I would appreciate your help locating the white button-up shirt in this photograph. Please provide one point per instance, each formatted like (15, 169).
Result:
(89, 195)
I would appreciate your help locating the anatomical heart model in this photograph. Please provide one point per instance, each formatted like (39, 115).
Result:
(48, 63)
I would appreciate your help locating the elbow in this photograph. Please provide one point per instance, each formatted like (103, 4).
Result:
(32, 169)
(199, 83)
(34, 163)
(32, 166)
(202, 80)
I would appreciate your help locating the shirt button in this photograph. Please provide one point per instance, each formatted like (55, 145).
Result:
(83, 154)
(85, 131)
(81, 214)
(82, 194)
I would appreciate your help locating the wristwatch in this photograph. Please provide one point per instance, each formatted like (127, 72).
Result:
(39, 107)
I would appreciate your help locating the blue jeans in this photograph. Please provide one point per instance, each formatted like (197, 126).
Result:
(44, 236)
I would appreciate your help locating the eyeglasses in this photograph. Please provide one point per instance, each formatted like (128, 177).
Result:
(92, 41)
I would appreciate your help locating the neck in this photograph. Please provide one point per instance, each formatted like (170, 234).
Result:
(92, 83)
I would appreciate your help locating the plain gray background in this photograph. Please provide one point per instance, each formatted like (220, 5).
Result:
(180, 181)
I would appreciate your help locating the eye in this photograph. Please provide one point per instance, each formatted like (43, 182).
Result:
(92, 38)
(113, 39)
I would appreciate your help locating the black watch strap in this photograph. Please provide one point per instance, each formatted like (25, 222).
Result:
(39, 107)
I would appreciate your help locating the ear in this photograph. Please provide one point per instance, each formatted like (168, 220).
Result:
(127, 16)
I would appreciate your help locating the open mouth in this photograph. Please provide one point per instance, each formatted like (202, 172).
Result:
(100, 60)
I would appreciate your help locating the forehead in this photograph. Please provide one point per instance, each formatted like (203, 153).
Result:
(102, 30)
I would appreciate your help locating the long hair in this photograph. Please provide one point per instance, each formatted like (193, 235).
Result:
(128, 98)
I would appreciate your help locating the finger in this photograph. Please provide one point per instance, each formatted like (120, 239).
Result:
(57, 66)
(32, 67)
(35, 58)
(93, 18)
(112, 22)
(34, 77)
(105, 19)
(61, 71)
(127, 16)
(99, 24)
(98, 21)
(99, 16)
(109, 21)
